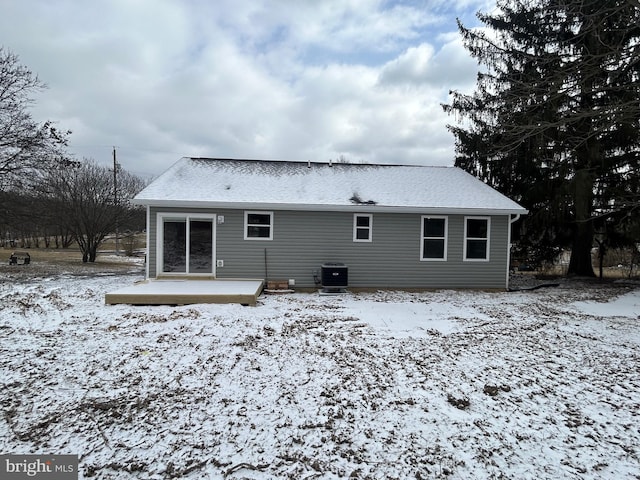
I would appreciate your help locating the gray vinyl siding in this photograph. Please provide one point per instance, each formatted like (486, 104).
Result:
(303, 241)
(152, 234)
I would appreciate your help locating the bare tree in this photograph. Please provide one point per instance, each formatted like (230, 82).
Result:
(83, 192)
(25, 145)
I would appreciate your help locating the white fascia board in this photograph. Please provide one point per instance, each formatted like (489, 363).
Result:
(330, 208)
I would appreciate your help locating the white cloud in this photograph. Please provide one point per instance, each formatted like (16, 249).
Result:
(412, 66)
(449, 68)
(290, 80)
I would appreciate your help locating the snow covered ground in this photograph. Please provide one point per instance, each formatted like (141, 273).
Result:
(542, 384)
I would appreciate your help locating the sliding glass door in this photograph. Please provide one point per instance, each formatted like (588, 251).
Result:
(186, 244)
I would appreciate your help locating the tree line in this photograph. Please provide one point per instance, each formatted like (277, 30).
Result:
(48, 198)
(554, 121)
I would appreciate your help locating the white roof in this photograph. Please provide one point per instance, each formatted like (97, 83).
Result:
(225, 183)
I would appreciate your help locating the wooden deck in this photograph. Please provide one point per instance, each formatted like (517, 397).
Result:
(185, 292)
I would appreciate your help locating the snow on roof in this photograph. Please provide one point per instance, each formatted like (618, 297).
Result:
(210, 182)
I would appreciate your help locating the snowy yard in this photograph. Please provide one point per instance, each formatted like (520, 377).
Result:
(542, 384)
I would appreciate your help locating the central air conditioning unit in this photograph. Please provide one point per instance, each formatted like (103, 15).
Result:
(334, 278)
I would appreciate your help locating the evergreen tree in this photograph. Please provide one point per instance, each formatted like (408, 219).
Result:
(555, 118)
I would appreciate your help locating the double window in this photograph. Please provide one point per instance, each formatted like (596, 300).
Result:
(476, 238)
(433, 246)
(258, 225)
(434, 238)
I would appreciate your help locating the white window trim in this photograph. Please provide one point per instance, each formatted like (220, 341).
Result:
(488, 239)
(369, 228)
(246, 225)
(187, 217)
(423, 238)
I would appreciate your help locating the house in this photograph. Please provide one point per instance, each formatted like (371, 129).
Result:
(391, 226)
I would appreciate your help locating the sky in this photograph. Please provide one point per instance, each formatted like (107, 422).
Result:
(158, 80)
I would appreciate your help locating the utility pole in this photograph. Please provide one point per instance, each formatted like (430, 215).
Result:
(115, 197)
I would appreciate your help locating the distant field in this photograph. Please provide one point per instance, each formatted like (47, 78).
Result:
(72, 255)
(49, 263)
(62, 256)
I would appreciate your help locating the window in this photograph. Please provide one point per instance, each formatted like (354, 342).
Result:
(476, 238)
(433, 245)
(362, 227)
(258, 225)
